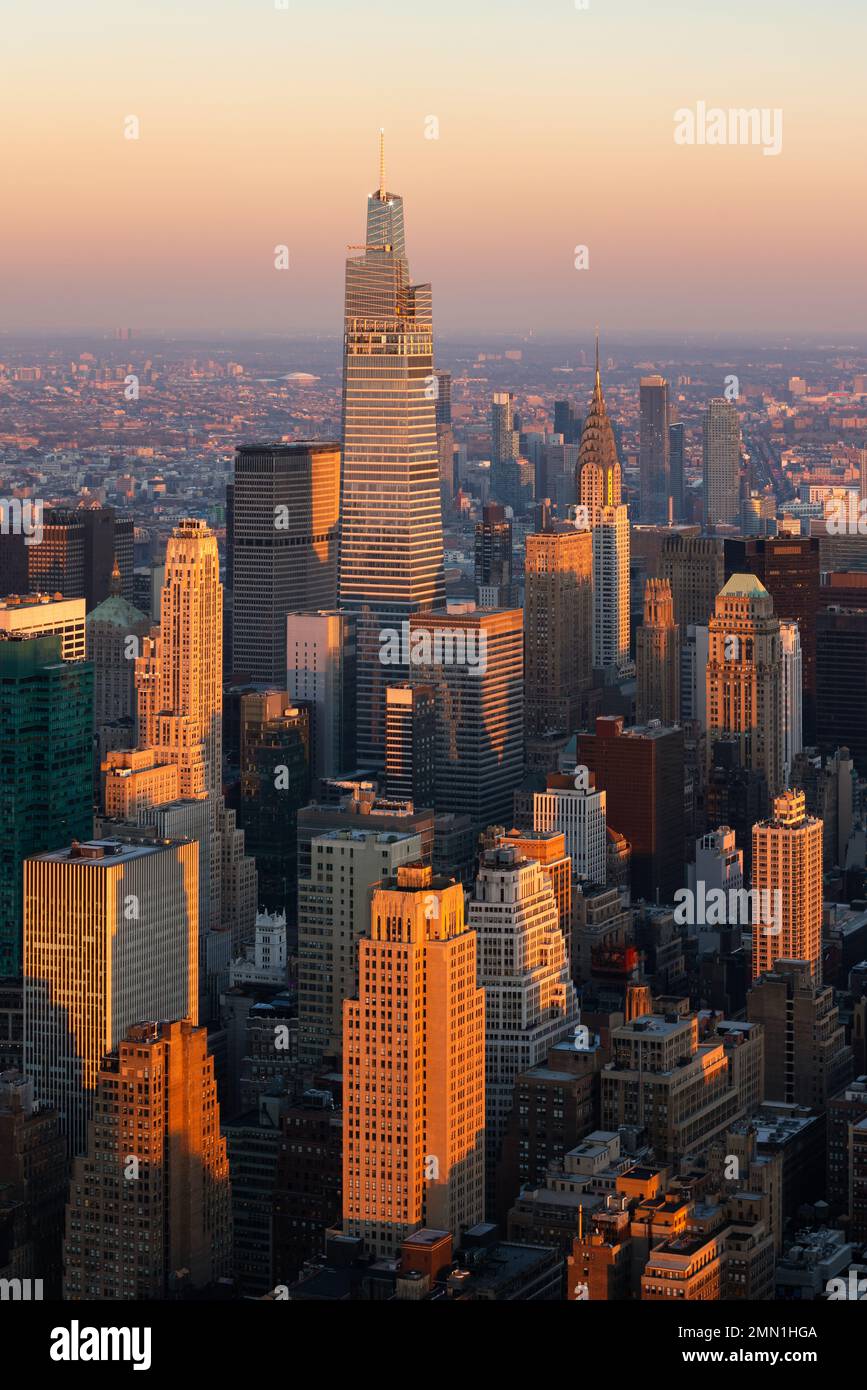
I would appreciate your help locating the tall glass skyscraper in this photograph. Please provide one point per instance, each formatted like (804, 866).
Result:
(391, 549)
(722, 460)
(46, 753)
(655, 450)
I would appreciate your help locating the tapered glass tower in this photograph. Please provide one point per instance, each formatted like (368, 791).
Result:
(391, 549)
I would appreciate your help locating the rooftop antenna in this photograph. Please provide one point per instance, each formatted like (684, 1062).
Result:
(598, 382)
(381, 164)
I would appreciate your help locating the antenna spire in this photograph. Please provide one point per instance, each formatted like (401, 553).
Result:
(381, 164)
(598, 378)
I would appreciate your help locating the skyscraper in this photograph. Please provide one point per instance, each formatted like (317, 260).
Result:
(655, 451)
(391, 550)
(695, 567)
(34, 1177)
(445, 434)
(180, 724)
(474, 662)
(789, 568)
(599, 475)
(37, 615)
(745, 678)
(333, 916)
(414, 1068)
(504, 447)
(530, 1001)
(599, 491)
(493, 558)
(792, 724)
(79, 549)
(113, 632)
(677, 468)
(46, 754)
(841, 679)
(574, 807)
(787, 867)
(284, 547)
(722, 462)
(641, 770)
(558, 627)
(611, 591)
(320, 656)
(807, 1059)
(410, 743)
(150, 1197)
(179, 676)
(657, 657)
(275, 784)
(111, 936)
(567, 422)
(719, 865)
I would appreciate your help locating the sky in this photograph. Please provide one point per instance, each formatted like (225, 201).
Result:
(258, 127)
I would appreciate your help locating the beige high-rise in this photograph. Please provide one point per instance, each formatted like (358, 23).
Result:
(179, 675)
(530, 1001)
(178, 681)
(414, 1068)
(745, 678)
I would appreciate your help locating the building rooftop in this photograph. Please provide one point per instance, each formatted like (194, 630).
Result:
(106, 853)
(744, 586)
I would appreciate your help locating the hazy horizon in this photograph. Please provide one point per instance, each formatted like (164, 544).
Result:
(258, 128)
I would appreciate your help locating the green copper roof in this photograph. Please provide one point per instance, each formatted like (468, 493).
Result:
(117, 610)
(744, 586)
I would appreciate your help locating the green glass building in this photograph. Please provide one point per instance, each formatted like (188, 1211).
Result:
(46, 758)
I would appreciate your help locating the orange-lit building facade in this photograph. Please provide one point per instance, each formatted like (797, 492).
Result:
(179, 675)
(787, 867)
(151, 1196)
(744, 679)
(414, 1068)
(548, 848)
(687, 1267)
(135, 780)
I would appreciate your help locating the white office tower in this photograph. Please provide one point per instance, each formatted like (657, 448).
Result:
(571, 805)
(611, 590)
(793, 728)
(530, 1001)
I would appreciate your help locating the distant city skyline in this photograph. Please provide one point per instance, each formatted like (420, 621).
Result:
(554, 130)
